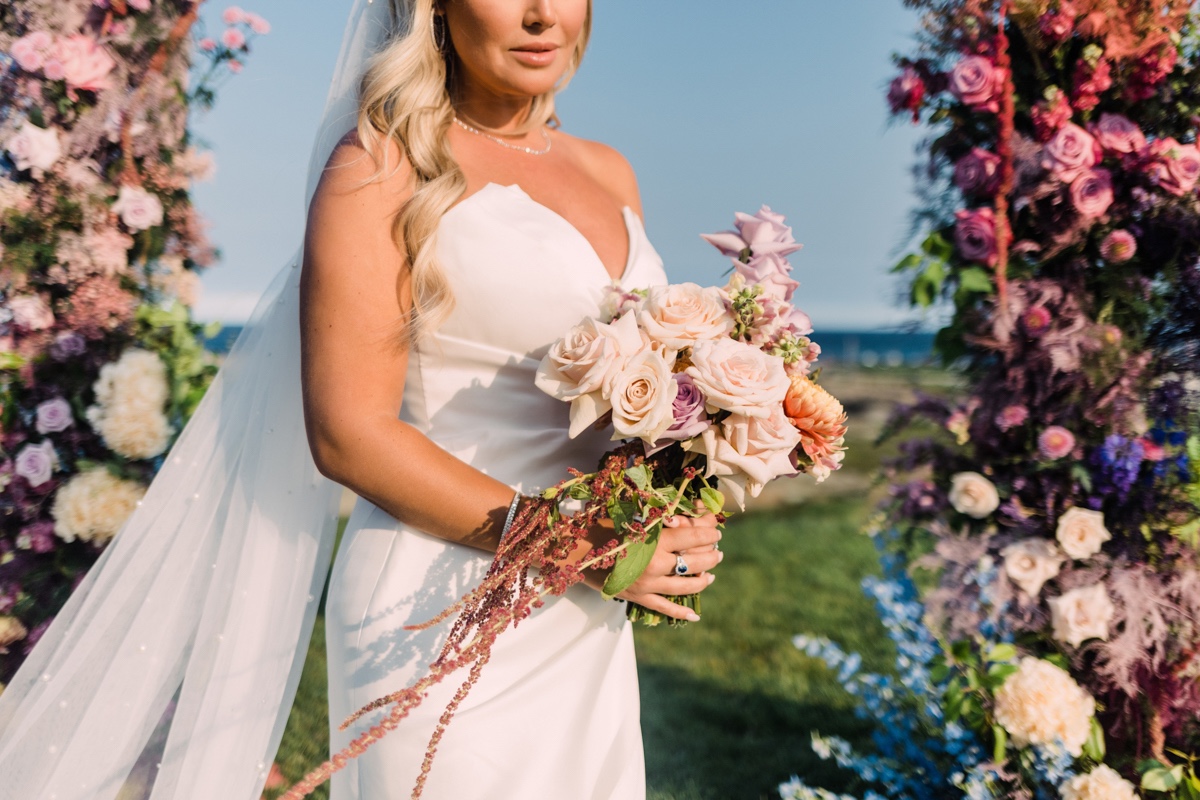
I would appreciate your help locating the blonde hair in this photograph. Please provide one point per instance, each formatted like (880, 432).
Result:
(405, 96)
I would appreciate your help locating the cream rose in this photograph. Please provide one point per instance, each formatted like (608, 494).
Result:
(973, 495)
(1081, 614)
(130, 395)
(1102, 783)
(1081, 532)
(139, 209)
(643, 397)
(578, 368)
(34, 148)
(682, 314)
(11, 631)
(94, 505)
(746, 453)
(1040, 704)
(738, 377)
(1029, 563)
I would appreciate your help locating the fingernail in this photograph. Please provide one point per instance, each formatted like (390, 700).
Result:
(711, 577)
(719, 534)
(693, 616)
(720, 556)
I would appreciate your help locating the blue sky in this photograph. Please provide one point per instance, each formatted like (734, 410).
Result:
(720, 105)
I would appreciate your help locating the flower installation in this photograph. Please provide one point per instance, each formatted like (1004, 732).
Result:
(710, 393)
(1053, 513)
(100, 252)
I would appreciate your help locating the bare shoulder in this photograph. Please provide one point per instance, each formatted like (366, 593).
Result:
(611, 169)
(356, 165)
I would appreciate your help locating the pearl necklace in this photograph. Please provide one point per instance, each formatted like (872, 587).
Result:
(502, 143)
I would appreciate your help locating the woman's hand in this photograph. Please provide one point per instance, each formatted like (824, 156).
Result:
(693, 538)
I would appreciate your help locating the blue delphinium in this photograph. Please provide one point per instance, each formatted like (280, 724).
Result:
(1118, 460)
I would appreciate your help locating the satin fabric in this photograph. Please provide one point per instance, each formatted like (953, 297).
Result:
(556, 711)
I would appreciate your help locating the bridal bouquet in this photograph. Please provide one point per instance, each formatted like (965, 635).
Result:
(710, 393)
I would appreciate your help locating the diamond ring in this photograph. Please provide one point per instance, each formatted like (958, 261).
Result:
(681, 567)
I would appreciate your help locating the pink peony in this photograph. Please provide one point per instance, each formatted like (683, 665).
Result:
(1175, 167)
(258, 24)
(86, 65)
(1119, 246)
(978, 172)
(1092, 193)
(1056, 442)
(978, 82)
(1010, 417)
(53, 415)
(975, 235)
(233, 15)
(1116, 133)
(907, 93)
(208, 44)
(1070, 152)
(30, 50)
(233, 38)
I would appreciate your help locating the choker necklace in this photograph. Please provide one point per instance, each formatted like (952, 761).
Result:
(502, 143)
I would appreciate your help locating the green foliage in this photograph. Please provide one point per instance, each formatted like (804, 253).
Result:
(191, 368)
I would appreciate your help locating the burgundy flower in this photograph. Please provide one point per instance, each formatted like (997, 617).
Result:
(1051, 114)
(1091, 81)
(907, 93)
(1151, 70)
(975, 235)
(978, 172)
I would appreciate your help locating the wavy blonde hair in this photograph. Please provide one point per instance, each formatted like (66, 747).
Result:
(405, 96)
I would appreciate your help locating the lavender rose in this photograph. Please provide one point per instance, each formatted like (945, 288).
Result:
(1117, 133)
(978, 172)
(36, 462)
(977, 82)
(53, 415)
(688, 411)
(1092, 193)
(975, 235)
(1176, 167)
(1070, 152)
(67, 345)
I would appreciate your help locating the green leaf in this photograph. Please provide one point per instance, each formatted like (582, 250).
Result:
(1058, 660)
(630, 566)
(999, 673)
(1002, 652)
(909, 262)
(939, 673)
(640, 475)
(11, 360)
(1094, 746)
(713, 500)
(975, 279)
(1162, 779)
(1000, 745)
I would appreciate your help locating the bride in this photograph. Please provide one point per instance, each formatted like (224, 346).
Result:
(453, 234)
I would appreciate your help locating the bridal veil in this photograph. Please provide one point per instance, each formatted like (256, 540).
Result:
(205, 600)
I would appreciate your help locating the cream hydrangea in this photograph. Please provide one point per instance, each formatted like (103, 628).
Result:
(94, 505)
(1042, 704)
(130, 395)
(1102, 783)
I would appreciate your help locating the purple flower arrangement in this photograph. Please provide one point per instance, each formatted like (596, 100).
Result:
(100, 251)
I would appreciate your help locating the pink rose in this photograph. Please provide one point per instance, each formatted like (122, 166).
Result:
(1011, 417)
(233, 15)
(907, 93)
(1117, 133)
(977, 82)
(139, 209)
(1055, 442)
(642, 395)
(1175, 167)
(747, 453)
(1070, 152)
(762, 233)
(978, 172)
(975, 235)
(208, 44)
(54, 70)
(681, 314)
(1092, 193)
(53, 415)
(33, 148)
(258, 24)
(30, 50)
(737, 377)
(1118, 247)
(31, 312)
(233, 38)
(86, 65)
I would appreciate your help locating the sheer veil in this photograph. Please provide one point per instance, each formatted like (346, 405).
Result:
(193, 625)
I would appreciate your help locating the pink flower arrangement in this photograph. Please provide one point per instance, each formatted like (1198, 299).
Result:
(32, 49)
(976, 81)
(1055, 442)
(1071, 151)
(1118, 247)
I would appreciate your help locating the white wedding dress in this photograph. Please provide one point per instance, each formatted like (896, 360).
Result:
(555, 715)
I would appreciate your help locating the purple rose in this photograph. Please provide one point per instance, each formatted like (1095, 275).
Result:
(1092, 193)
(1070, 152)
(1116, 133)
(36, 462)
(53, 415)
(978, 172)
(688, 410)
(67, 345)
(977, 82)
(975, 235)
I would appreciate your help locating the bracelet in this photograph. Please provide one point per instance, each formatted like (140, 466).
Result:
(512, 513)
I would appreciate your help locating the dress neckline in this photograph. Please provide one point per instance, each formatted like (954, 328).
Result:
(627, 215)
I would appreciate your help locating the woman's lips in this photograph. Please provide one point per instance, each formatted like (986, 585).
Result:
(536, 55)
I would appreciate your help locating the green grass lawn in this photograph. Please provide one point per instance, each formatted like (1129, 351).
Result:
(728, 704)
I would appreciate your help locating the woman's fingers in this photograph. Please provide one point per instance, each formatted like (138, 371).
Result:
(676, 540)
(664, 606)
(700, 560)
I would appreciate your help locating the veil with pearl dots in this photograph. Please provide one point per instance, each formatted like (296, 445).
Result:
(173, 666)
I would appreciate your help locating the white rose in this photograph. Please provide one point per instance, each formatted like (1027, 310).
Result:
(1040, 704)
(577, 367)
(738, 377)
(973, 495)
(34, 148)
(747, 453)
(11, 630)
(31, 312)
(1029, 563)
(642, 394)
(130, 395)
(94, 505)
(682, 314)
(1102, 783)
(1081, 614)
(1081, 532)
(138, 208)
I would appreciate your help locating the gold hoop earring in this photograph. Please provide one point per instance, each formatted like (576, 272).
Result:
(438, 32)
